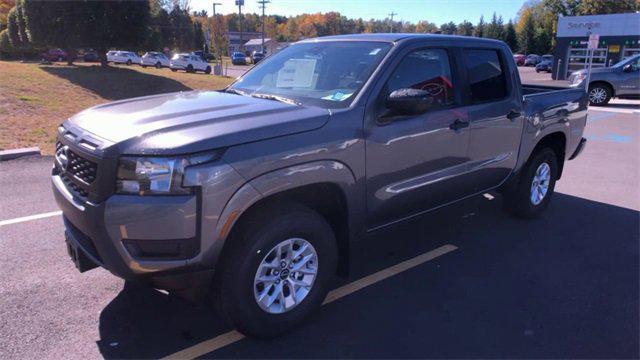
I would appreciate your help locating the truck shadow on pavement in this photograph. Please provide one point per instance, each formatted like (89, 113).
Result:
(563, 285)
(116, 82)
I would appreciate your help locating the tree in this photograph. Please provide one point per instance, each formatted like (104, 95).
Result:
(424, 26)
(495, 29)
(114, 23)
(6, 49)
(16, 30)
(510, 36)
(465, 28)
(480, 28)
(54, 23)
(449, 28)
(527, 32)
(198, 35)
(5, 6)
(594, 7)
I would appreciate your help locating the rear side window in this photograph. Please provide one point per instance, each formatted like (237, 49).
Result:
(426, 69)
(486, 75)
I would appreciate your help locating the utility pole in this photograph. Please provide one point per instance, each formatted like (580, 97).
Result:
(216, 28)
(263, 5)
(391, 15)
(240, 3)
(214, 9)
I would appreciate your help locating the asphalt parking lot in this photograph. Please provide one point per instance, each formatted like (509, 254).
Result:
(565, 285)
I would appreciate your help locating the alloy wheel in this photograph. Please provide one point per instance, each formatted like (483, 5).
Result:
(597, 95)
(540, 183)
(285, 276)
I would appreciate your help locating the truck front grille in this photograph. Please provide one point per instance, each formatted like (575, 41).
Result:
(83, 169)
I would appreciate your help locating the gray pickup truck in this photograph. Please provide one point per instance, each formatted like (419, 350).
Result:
(250, 197)
(621, 80)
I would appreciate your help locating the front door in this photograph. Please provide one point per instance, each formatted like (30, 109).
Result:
(414, 163)
(630, 79)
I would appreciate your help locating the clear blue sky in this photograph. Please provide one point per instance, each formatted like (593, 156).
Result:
(437, 11)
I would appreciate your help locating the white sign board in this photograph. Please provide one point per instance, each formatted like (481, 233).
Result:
(296, 73)
(594, 39)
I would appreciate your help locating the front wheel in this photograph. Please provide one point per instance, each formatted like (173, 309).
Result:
(599, 95)
(128, 62)
(207, 70)
(158, 65)
(277, 271)
(532, 193)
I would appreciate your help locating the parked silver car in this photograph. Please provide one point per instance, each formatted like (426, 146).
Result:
(621, 80)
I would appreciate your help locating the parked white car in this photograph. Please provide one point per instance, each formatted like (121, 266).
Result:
(111, 55)
(153, 58)
(126, 57)
(189, 63)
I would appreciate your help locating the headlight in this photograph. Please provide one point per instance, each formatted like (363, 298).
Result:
(579, 77)
(144, 175)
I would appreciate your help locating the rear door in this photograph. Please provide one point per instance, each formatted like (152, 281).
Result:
(495, 116)
(417, 162)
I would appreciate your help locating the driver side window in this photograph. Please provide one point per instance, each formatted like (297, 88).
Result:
(426, 69)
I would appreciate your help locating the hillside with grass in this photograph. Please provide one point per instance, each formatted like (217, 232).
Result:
(35, 99)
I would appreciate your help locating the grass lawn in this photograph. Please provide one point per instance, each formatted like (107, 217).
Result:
(35, 99)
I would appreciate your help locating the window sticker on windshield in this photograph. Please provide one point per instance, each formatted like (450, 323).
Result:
(338, 96)
(296, 73)
(375, 51)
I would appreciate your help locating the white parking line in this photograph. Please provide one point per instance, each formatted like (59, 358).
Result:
(231, 337)
(29, 218)
(615, 110)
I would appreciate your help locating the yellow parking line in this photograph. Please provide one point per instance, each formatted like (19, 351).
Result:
(231, 337)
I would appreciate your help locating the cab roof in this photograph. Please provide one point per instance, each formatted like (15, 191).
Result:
(396, 37)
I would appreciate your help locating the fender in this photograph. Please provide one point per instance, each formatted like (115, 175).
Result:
(281, 180)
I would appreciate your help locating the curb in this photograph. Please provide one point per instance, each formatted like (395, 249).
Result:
(16, 153)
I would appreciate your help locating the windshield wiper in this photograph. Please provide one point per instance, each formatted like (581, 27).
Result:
(235, 91)
(276, 98)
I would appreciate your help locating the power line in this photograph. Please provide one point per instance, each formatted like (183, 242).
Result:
(391, 15)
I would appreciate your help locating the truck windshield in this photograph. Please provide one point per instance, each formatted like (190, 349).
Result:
(325, 74)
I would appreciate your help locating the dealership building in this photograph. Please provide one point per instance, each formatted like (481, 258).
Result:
(619, 38)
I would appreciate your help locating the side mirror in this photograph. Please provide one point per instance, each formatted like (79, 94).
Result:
(409, 101)
(627, 68)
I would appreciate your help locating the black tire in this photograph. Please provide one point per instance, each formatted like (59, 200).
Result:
(158, 65)
(518, 198)
(144, 66)
(596, 92)
(128, 62)
(190, 68)
(207, 70)
(234, 284)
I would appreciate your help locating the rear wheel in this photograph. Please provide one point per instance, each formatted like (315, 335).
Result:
(207, 70)
(277, 271)
(129, 62)
(532, 193)
(174, 70)
(158, 65)
(190, 68)
(599, 94)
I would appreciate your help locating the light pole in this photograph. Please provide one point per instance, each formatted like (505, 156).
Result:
(263, 5)
(240, 4)
(216, 28)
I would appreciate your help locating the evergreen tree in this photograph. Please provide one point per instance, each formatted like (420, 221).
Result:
(480, 28)
(465, 28)
(510, 37)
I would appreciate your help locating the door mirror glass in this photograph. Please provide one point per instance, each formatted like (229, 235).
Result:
(409, 101)
(628, 68)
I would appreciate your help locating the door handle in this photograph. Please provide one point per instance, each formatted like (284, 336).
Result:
(512, 115)
(458, 124)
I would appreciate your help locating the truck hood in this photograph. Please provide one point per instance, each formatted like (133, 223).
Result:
(193, 121)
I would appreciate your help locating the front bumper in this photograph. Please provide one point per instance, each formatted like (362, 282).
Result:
(149, 239)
